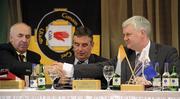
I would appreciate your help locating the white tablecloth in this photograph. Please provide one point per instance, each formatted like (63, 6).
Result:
(85, 94)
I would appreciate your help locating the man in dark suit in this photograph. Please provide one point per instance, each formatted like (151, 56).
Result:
(82, 50)
(157, 53)
(15, 55)
(136, 31)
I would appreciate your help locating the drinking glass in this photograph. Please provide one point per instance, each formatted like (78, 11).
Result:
(53, 74)
(108, 72)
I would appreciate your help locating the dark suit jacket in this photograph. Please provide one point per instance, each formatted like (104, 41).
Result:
(9, 60)
(158, 53)
(92, 59)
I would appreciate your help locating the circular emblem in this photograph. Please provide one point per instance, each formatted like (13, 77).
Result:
(54, 33)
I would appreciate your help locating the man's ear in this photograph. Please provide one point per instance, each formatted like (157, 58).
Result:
(143, 32)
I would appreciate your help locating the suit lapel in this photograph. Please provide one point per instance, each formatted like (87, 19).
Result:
(153, 53)
(125, 70)
(13, 51)
(131, 56)
(71, 60)
(28, 55)
(91, 59)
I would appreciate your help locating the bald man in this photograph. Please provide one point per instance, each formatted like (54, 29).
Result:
(15, 55)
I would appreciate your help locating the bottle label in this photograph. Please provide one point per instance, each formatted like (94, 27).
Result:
(41, 81)
(165, 82)
(156, 81)
(33, 83)
(174, 82)
(26, 78)
(116, 81)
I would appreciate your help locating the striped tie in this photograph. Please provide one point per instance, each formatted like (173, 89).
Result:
(21, 57)
(138, 66)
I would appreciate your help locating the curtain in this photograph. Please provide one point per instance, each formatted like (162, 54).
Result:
(10, 14)
(163, 14)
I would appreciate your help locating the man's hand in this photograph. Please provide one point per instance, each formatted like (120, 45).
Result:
(65, 74)
(65, 80)
(142, 81)
(58, 67)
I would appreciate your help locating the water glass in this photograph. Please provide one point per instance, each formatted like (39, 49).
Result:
(108, 72)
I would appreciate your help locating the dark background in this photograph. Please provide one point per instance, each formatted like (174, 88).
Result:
(89, 11)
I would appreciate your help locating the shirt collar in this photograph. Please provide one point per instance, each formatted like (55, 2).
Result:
(22, 54)
(145, 53)
(25, 54)
(76, 60)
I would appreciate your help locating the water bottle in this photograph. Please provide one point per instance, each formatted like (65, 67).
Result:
(174, 80)
(116, 82)
(41, 78)
(33, 77)
(157, 79)
(166, 78)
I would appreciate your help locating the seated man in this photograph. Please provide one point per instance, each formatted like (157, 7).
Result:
(82, 47)
(136, 31)
(15, 55)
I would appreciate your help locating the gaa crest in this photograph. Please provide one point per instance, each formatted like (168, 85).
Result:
(54, 33)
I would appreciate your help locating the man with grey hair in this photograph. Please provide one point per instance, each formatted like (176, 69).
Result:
(139, 47)
(15, 55)
(137, 31)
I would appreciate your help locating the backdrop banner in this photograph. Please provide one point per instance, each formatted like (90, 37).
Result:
(54, 23)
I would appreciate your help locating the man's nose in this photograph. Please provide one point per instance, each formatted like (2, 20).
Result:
(125, 38)
(24, 39)
(80, 48)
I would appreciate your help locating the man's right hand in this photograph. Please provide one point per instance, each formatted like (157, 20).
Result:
(64, 69)
(58, 66)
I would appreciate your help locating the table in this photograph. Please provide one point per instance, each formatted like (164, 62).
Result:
(85, 94)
